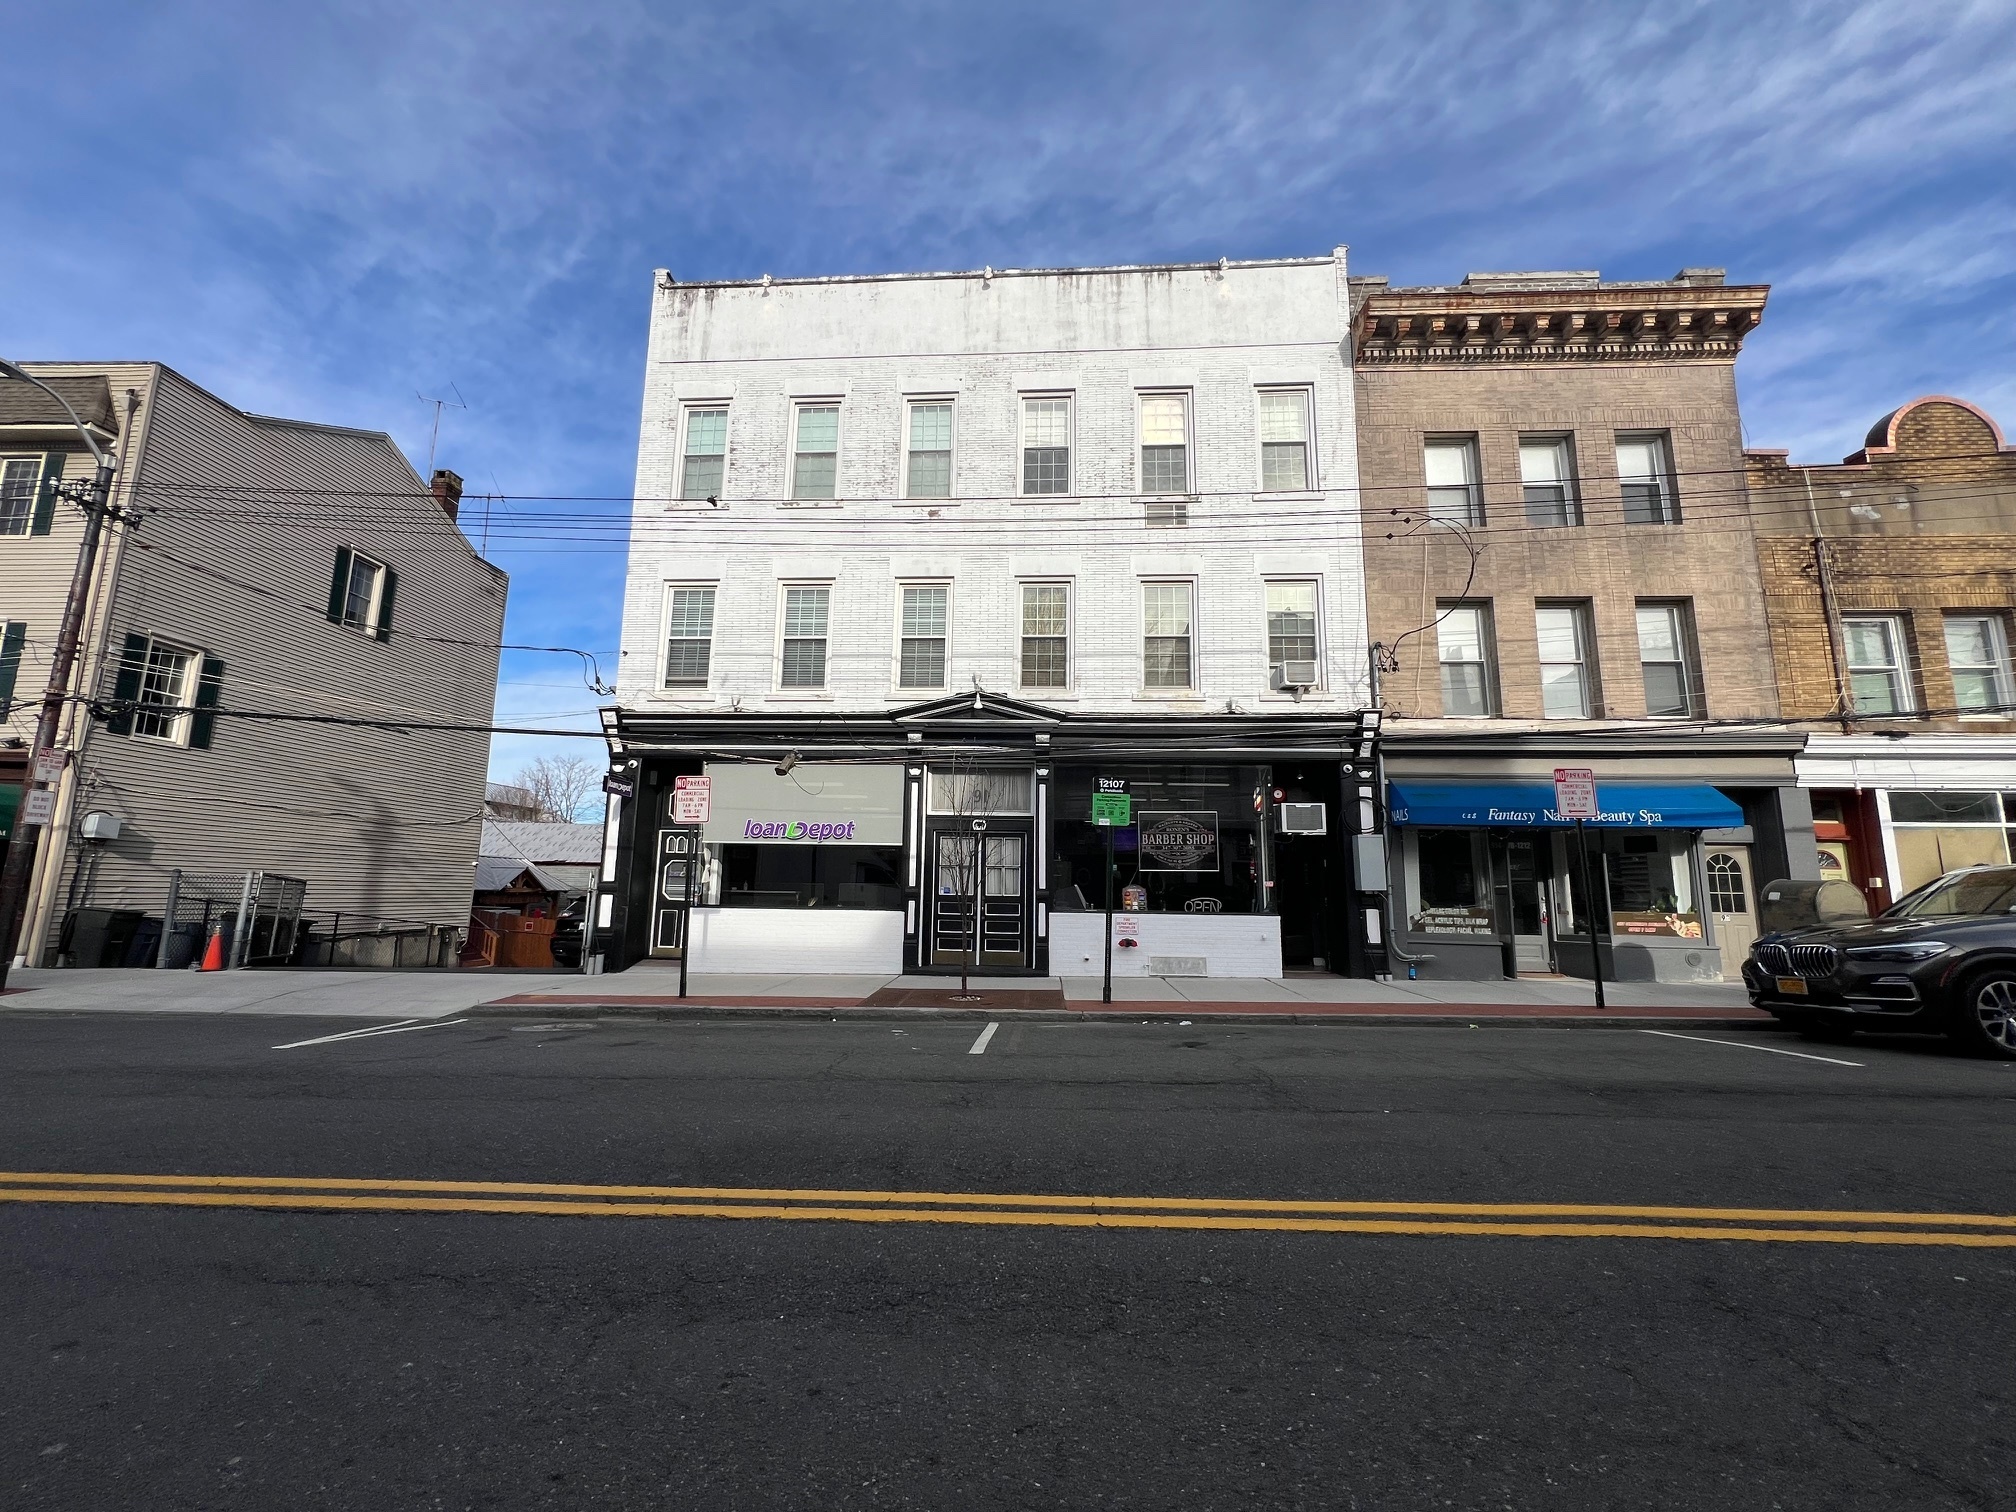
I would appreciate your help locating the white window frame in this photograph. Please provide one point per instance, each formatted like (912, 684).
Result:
(825, 687)
(1187, 398)
(1661, 443)
(2003, 674)
(368, 625)
(37, 464)
(1315, 584)
(1899, 668)
(911, 402)
(1310, 483)
(1563, 443)
(1189, 689)
(1473, 485)
(1682, 620)
(1585, 649)
(687, 410)
(1054, 690)
(799, 405)
(184, 695)
(687, 689)
(903, 587)
(1022, 402)
(1487, 649)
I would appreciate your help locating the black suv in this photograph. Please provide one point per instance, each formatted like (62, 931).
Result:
(1941, 961)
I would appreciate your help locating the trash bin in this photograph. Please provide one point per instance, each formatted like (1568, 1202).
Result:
(145, 944)
(97, 936)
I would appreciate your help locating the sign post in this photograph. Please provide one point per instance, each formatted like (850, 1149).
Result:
(692, 804)
(1575, 798)
(1110, 808)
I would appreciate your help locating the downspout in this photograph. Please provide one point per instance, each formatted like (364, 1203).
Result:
(78, 726)
(1827, 614)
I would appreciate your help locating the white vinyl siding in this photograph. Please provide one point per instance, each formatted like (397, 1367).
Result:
(1284, 441)
(702, 468)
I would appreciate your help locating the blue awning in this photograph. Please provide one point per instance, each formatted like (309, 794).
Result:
(1620, 805)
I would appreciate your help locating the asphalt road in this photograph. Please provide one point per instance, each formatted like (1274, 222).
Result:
(222, 1356)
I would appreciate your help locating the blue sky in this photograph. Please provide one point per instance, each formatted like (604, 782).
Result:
(318, 210)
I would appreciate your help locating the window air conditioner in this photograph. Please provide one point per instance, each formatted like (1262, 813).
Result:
(1302, 819)
(1295, 674)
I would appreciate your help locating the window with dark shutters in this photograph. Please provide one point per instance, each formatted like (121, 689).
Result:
(10, 663)
(203, 723)
(339, 585)
(45, 495)
(386, 590)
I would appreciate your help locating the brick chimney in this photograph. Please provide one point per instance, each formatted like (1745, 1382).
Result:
(447, 488)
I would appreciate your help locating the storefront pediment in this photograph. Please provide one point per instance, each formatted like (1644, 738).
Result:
(977, 705)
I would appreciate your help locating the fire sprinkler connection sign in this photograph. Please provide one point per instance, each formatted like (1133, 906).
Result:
(1575, 793)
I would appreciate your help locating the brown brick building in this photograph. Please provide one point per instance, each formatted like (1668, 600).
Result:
(1560, 572)
(1889, 582)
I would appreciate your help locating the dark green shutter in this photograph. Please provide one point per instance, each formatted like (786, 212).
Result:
(45, 495)
(385, 596)
(126, 690)
(10, 663)
(339, 585)
(203, 723)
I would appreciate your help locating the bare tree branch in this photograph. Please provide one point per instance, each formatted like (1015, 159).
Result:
(560, 785)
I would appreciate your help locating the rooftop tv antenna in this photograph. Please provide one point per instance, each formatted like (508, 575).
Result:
(434, 440)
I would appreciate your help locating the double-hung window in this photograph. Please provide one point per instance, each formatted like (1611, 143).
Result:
(1666, 657)
(165, 693)
(366, 579)
(1547, 478)
(1046, 444)
(1165, 443)
(1463, 643)
(1977, 652)
(815, 451)
(1284, 441)
(1165, 647)
(1046, 632)
(1879, 676)
(1567, 674)
(689, 636)
(921, 656)
(1450, 465)
(803, 663)
(1645, 478)
(1291, 633)
(927, 466)
(19, 478)
(704, 459)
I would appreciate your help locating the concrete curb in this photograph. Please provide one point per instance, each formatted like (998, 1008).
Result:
(620, 1011)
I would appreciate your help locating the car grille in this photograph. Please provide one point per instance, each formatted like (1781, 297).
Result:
(1809, 961)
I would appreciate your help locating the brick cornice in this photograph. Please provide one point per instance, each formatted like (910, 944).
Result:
(1656, 323)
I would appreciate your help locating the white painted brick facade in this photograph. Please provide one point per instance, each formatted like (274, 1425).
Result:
(1218, 333)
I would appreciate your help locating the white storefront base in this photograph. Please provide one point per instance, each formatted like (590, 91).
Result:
(1173, 944)
(831, 941)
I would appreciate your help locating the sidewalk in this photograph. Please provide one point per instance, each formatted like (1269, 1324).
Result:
(653, 990)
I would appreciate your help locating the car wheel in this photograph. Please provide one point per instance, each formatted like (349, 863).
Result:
(1984, 1020)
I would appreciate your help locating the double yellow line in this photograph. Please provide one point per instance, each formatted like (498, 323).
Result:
(1532, 1220)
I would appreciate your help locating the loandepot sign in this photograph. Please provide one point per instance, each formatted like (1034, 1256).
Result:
(797, 829)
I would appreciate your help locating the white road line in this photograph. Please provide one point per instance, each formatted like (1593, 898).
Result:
(980, 1044)
(404, 1026)
(1739, 1045)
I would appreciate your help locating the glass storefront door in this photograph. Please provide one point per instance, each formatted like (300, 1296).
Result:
(981, 917)
(1524, 868)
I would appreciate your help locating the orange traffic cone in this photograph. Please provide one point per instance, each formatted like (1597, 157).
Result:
(213, 953)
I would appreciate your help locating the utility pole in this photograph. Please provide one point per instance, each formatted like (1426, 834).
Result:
(94, 498)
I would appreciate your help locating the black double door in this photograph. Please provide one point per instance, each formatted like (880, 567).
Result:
(980, 895)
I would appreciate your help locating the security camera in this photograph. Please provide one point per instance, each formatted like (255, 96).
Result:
(784, 766)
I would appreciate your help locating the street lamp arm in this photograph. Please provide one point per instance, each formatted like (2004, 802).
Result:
(12, 370)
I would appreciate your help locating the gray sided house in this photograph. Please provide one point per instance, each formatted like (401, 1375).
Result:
(272, 569)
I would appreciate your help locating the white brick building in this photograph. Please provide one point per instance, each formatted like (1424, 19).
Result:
(967, 538)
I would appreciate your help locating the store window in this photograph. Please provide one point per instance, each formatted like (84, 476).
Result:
(1194, 847)
(1651, 877)
(1939, 832)
(959, 792)
(1452, 889)
(805, 876)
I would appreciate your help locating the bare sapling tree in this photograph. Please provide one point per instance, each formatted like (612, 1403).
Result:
(559, 785)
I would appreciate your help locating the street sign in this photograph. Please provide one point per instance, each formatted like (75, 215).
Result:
(692, 799)
(1111, 809)
(49, 765)
(38, 806)
(1575, 792)
(619, 787)
(1109, 784)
